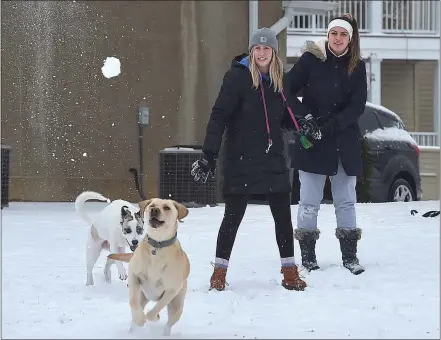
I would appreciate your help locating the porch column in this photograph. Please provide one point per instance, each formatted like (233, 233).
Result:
(373, 69)
(375, 17)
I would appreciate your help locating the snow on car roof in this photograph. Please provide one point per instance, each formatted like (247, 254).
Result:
(391, 134)
(382, 108)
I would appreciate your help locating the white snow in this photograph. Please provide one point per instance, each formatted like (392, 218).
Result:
(111, 68)
(391, 134)
(382, 108)
(44, 275)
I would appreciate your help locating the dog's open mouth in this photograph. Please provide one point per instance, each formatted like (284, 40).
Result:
(155, 223)
(133, 248)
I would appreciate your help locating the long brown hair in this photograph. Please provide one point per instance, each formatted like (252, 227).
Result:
(354, 51)
(275, 72)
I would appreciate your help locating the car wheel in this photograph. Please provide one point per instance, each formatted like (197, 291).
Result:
(401, 191)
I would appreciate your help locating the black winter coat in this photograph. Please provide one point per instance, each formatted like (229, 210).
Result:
(330, 92)
(239, 108)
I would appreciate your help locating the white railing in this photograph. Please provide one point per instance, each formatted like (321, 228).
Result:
(410, 16)
(399, 17)
(319, 23)
(426, 138)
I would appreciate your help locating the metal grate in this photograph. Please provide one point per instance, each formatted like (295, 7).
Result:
(6, 150)
(176, 182)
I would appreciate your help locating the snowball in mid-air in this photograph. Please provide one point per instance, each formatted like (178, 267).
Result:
(111, 68)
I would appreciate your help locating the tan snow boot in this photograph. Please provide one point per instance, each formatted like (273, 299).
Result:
(291, 278)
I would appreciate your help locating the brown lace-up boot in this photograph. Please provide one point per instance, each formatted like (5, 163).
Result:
(291, 278)
(218, 279)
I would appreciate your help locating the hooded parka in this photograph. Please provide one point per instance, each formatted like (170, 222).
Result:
(249, 166)
(329, 92)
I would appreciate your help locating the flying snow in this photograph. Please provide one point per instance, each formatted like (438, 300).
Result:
(111, 68)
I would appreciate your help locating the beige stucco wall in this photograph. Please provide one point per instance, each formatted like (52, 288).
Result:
(430, 172)
(407, 88)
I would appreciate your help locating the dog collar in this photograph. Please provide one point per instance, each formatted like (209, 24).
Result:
(161, 244)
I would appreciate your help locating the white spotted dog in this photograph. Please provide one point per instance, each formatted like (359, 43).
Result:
(118, 225)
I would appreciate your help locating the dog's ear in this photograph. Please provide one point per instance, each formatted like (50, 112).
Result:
(123, 257)
(143, 205)
(182, 211)
(125, 211)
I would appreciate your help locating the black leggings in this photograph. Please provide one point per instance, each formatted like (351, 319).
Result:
(235, 206)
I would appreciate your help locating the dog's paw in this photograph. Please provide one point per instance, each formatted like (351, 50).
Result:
(123, 276)
(108, 275)
(138, 318)
(152, 316)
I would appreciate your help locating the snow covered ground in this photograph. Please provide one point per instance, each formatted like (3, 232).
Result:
(44, 293)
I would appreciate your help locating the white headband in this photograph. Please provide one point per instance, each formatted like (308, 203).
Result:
(343, 24)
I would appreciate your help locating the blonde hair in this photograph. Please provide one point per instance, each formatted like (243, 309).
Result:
(275, 72)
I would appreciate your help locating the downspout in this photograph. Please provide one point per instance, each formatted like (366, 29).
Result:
(284, 21)
(253, 16)
(304, 7)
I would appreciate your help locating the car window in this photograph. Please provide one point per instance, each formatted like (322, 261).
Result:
(368, 122)
(388, 121)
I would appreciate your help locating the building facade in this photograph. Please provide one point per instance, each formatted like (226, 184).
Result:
(72, 129)
(400, 42)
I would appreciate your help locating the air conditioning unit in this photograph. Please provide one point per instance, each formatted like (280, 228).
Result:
(176, 182)
(6, 151)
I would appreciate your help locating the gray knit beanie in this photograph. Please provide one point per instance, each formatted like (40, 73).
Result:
(264, 36)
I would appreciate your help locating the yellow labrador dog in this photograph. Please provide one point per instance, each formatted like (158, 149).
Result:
(159, 267)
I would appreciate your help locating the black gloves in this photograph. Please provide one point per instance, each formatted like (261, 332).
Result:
(202, 168)
(328, 127)
(309, 131)
(309, 127)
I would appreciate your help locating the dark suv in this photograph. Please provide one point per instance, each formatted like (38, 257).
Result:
(395, 172)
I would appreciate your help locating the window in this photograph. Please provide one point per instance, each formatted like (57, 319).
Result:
(368, 122)
(388, 121)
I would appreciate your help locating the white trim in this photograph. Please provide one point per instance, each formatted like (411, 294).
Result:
(428, 174)
(382, 46)
(253, 17)
(375, 80)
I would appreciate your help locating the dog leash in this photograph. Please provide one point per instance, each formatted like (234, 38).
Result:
(290, 111)
(268, 130)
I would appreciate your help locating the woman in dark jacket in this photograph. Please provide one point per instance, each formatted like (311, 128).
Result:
(251, 109)
(333, 78)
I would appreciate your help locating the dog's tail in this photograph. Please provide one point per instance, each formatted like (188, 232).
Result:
(123, 257)
(86, 196)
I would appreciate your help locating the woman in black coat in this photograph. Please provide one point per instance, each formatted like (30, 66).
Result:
(333, 78)
(251, 108)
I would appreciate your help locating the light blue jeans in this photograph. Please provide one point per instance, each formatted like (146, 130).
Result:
(311, 194)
